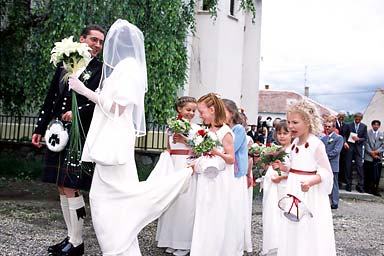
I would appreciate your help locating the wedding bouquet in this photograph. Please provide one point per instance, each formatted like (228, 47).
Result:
(203, 142)
(74, 56)
(270, 154)
(178, 124)
(256, 149)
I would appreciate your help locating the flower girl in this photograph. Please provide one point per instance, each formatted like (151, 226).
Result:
(308, 226)
(175, 226)
(241, 230)
(274, 189)
(214, 184)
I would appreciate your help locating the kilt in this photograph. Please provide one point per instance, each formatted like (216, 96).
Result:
(56, 171)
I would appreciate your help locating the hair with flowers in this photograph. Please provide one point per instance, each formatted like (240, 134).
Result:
(309, 113)
(211, 100)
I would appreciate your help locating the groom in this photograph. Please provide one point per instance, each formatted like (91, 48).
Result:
(69, 180)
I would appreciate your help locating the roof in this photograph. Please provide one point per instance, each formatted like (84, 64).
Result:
(276, 101)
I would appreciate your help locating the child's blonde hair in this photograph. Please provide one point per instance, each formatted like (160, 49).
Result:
(309, 113)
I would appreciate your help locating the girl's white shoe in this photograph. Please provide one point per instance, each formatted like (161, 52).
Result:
(181, 252)
(170, 250)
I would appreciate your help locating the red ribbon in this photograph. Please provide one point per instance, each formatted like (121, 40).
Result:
(295, 201)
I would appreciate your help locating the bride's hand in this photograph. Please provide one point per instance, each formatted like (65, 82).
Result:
(76, 85)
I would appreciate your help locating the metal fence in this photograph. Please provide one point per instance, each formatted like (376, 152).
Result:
(19, 129)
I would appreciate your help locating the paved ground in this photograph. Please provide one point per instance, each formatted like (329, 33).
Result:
(30, 220)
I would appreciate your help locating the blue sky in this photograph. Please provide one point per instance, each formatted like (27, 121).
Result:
(340, 44)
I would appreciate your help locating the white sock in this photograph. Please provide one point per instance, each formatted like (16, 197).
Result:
(77, 214)
(65, 210)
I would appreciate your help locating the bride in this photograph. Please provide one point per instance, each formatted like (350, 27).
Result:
(121, 205)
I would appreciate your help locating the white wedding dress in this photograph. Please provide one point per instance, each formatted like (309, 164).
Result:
(121, 205)
(272, 216)
(175, 226)
(212, 229)
(311, 235)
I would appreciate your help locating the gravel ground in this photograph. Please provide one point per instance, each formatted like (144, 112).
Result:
(29, 224)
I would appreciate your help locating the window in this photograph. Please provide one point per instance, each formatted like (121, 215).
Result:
(232, 8)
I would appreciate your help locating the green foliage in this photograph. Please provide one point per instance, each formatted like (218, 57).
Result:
(19, 168)
(32, 29)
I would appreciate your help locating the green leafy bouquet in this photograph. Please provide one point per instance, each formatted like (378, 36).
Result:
(178, 124)
(75, 56)
(270, 154)
(203, 142)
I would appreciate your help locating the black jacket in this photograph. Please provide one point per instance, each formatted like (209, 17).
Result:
(59, 98)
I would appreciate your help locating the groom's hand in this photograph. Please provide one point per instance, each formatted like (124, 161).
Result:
(67, 116)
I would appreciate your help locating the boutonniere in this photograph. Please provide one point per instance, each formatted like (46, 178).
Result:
(330, 140)
(86, 75)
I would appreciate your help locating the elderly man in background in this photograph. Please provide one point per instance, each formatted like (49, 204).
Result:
(333, 145)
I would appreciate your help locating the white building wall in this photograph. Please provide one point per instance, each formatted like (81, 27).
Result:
(251, 68)
(222, 58)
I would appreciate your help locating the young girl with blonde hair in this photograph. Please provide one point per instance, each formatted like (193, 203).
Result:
(308, 228)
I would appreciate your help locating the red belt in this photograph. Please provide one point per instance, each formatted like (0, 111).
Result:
(179, 152)
(302, 172)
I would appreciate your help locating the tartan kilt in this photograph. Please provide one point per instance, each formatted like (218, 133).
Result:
(56, 171)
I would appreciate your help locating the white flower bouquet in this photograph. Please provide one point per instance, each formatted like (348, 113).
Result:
(256, 149)
(74, 56)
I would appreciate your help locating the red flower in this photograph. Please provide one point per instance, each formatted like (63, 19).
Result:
(201, 132)
(179, 116)
(306, 145)
(268, 144)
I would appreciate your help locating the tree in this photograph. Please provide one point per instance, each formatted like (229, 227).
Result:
(34, 26)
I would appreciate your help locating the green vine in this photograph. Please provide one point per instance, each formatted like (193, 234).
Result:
(30, 30)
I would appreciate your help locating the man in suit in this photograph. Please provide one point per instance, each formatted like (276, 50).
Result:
(373, 154)
(340, 124)
(333, 145)
(68, 178)
(355, 135)
(253, 133)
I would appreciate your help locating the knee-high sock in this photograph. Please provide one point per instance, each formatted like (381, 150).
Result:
(65, 210)
(77, 214)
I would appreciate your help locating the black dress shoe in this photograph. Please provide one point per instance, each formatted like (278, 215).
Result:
(359, 189)
(53, 249)
(376, 194)
(70, 250)
(348, 188)
(334, 206)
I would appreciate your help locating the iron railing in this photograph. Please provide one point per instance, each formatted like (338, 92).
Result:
(19, 129)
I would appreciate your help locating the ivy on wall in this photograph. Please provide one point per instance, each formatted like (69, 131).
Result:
(30, 28)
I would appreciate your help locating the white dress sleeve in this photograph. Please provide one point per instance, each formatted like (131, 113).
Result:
(324, 169)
